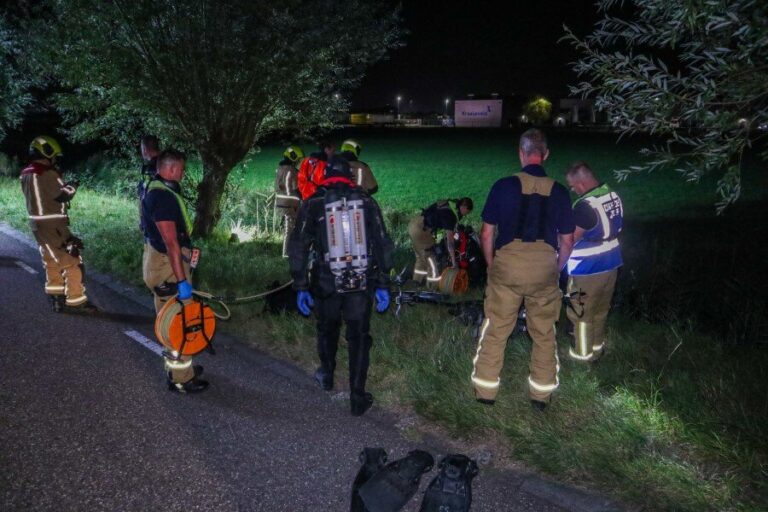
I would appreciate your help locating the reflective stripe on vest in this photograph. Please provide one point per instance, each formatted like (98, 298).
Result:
(159, 185)
(598, 250)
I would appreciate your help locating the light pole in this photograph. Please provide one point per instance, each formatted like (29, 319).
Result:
(445, 111)
(398, 106)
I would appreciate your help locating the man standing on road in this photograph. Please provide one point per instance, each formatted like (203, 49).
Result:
(47, 198)
(527, 236)
(287, 196)
(362, 174)
(344, 226)
(440, 215)
(595, 260)
(167, 255)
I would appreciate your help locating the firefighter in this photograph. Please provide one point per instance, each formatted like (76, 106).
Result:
(150, 148)
(344, 225)
(166, 257)
(287, 196)
(595, 260)
(527, 236)
(312, 169)
(362, 174)
(441, 215)
(47, 197)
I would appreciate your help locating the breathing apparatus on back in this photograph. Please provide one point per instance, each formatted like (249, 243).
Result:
(347, 241)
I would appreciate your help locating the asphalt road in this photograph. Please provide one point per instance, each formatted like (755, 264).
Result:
(87, 423)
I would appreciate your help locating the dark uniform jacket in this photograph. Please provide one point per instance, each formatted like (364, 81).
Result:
(310, 233)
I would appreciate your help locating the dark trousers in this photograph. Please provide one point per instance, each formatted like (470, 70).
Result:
(355, 309)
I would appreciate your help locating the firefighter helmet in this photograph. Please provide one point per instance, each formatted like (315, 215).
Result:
(44, 146)
(293, 153)
(352, 146)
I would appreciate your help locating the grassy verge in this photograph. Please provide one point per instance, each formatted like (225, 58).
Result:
(672, 420)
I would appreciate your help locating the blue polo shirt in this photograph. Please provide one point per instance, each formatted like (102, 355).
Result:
(545, 218)
(160, 205)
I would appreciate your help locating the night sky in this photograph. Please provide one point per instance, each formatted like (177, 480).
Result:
(483, 46)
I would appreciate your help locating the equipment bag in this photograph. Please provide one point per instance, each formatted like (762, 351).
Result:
(347, 240)
(310, 176)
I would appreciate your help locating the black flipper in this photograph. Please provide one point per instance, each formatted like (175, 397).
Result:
(372, 460)
(451, 489)
(391, 487)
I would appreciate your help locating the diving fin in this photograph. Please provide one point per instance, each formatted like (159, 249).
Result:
(372, 460)
(451, 489)
(392, 486)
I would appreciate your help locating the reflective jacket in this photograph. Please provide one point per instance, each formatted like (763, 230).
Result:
(599, 250)
(310, 234)
(46, 194)
(286, 185)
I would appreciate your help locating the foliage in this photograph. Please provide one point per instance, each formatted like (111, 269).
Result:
(695, 73)
(538, 110)
(206, 79)
(14, 83)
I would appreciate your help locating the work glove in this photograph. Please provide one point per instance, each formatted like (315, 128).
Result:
(304, 302)
(184, 290)
(382, 299)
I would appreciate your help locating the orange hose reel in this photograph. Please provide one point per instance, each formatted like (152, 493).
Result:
(187, 328)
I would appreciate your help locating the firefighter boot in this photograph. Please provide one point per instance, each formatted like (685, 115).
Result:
(57, 302)
(194, 385)
(360, 402)
(324, 379)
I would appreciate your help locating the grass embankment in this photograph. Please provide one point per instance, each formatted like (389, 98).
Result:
(672, 419)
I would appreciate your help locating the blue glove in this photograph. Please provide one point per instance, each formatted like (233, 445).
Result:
(304, 302)
(382, 299)
(184, 290)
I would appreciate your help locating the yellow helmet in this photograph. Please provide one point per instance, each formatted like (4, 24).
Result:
(352, 146)
(293, 153)
(45, 146)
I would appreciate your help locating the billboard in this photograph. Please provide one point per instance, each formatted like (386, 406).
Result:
(478, 113)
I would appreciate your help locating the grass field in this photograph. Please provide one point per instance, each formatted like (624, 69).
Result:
(673, 419)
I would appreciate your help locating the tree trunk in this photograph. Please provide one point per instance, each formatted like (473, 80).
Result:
(209, 193)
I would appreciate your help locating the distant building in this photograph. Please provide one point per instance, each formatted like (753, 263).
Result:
(479, 111)
(576, 111)
(362, 119)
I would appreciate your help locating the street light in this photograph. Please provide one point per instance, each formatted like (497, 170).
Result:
(445, 111)
(398, 106)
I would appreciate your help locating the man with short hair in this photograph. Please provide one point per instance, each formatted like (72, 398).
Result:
(47, 199)
(527, 235)
(166, 257)
(595, 260)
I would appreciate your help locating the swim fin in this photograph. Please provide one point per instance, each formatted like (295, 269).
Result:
(392, 486)
(372, 460)
(451, 489)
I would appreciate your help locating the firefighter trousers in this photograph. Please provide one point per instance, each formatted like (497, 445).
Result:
(287, 215)
(520, 272)
(355, 310)
(589, 312)
(63, 272)
(423, 243)
(157, 270)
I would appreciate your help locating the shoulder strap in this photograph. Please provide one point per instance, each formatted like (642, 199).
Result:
(159, 185)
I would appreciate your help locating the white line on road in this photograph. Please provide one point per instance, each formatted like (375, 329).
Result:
(26, 267)
(146, 342)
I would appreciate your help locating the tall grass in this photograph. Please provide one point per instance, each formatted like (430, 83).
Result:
(672, 419)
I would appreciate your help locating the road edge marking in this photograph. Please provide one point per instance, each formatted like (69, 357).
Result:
(26, 267)
(144, 341)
